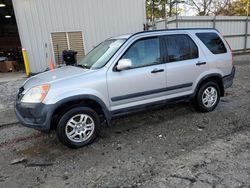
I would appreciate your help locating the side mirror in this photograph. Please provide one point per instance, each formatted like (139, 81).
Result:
(124, 64)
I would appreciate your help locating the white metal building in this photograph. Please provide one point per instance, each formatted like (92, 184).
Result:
(51, 26)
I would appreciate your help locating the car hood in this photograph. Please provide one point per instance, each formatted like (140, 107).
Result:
(54, 75)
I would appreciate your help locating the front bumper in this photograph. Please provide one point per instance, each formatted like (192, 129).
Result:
(37, 116)
(228, 80)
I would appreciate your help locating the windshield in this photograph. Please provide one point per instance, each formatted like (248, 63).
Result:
(100, 55)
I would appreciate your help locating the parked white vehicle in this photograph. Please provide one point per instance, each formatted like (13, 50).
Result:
(125, 74)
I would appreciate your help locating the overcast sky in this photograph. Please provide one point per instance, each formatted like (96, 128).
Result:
(187, 10)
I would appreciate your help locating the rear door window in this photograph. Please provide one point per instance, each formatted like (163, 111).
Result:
(213, 42)
(178, 47)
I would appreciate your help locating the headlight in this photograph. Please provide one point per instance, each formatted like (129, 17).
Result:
(36, 94)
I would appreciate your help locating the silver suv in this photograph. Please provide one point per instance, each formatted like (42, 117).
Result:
(126, 74)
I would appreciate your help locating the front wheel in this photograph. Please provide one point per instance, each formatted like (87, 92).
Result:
(78, 127)
(208, 97)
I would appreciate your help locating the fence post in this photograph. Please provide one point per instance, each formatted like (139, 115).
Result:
(166, 22)
(246, 34)
(214, 22)
(176, 22)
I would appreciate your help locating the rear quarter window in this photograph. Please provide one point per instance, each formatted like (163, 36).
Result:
(213, 42)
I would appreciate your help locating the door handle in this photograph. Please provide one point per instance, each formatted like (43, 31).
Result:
(201, 63)
(157, 70)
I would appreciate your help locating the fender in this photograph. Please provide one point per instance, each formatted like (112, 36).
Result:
(204, 78)
(82, 97)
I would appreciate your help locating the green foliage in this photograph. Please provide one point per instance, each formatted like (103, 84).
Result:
(234, 8)
(159, 9)
(155, 9)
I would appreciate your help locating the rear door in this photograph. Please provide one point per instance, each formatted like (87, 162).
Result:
(184, 63)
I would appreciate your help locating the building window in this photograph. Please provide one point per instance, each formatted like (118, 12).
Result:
(67, 41)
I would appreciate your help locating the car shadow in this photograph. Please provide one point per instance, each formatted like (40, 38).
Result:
(49, 148)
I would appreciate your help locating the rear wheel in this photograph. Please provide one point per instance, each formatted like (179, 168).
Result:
(78, 127)
(208, 96)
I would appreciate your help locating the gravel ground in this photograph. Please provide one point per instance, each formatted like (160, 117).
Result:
(170, 147)
(8, 90)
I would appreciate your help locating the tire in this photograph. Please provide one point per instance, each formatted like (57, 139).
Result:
(208, 96)
(78, 127)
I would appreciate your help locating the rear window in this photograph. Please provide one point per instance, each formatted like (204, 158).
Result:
(213, 42)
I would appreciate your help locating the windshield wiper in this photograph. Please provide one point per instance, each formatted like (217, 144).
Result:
(82, 66)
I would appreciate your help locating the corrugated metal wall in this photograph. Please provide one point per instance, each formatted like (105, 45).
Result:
(97, 19)
(234, 28)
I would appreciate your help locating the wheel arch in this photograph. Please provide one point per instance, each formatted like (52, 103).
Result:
(211, 77)
(88, 100)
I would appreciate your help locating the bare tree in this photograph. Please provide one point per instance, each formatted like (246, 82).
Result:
(207, 7)
(220, 5)
(201, 6)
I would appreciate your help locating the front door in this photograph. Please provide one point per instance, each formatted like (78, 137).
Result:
(144, 82)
